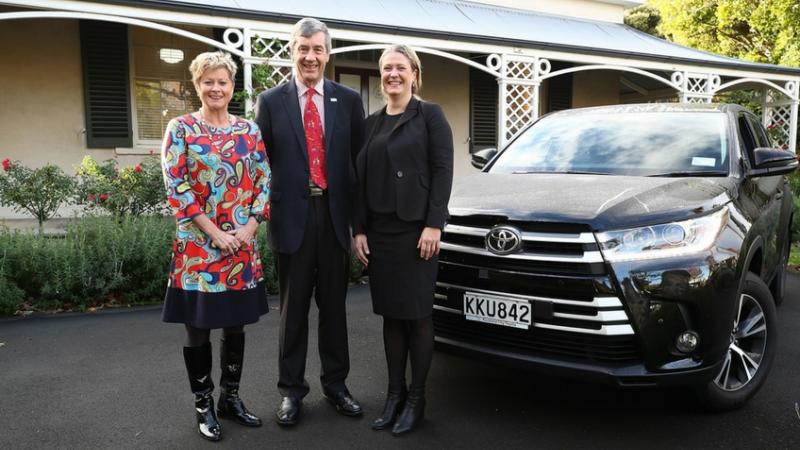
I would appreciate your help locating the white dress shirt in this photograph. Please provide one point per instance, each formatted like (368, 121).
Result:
(319, 99)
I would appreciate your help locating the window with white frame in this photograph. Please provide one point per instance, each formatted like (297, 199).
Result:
(161, 83)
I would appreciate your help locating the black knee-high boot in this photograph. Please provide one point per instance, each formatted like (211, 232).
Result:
(230, 406)
(421, 352)
(198, 366)
(395, 341)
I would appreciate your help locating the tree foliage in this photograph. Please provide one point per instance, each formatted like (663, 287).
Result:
(644, 18)
(755, 30)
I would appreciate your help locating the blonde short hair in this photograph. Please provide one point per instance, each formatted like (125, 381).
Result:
(412, 57)
(211, 61)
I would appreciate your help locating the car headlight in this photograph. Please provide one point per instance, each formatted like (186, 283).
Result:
(663, 241)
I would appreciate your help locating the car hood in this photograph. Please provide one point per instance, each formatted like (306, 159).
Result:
(602, 202)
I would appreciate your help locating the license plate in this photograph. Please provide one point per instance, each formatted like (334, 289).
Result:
(509, 312)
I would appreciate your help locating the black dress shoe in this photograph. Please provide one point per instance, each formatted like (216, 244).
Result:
(289, 411)
(345, 403)
(392, 407)
(412, 415)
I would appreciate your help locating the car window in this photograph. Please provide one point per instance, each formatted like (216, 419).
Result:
(621, 143)
(760, 135)
(747, 136)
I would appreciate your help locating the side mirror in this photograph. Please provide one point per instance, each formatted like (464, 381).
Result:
(772, 161)
(482, 157)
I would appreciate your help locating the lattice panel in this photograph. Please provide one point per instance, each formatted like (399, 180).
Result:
(279, 68)
(521, 70)
(270, 48)
(779, 125)
(519, 109)
(696, 85)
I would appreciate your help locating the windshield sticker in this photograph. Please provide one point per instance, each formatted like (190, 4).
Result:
(705, 162)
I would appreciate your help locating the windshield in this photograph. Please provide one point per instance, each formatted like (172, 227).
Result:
(642, 144)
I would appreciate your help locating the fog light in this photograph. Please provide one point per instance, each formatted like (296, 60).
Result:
(687, 341)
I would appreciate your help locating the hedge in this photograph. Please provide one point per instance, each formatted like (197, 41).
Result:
(99, 261)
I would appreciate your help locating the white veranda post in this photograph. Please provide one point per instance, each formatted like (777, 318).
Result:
(519, 84)
(264, 51)
(780, 115)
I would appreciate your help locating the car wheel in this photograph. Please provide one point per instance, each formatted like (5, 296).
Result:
(779, 283)
(750, 353)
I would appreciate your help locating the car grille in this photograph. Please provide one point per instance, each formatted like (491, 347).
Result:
(559, 270)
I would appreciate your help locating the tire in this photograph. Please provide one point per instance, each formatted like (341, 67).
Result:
(751, 351)
(779, 283)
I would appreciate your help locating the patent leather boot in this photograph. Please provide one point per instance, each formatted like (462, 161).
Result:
(395, 400)
(412, 414)
(198, 367)
(230, 406)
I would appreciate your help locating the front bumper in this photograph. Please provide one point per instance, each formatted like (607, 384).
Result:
(578, 331)
(623, 375)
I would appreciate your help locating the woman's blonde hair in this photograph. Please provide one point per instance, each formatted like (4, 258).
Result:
(416, 66)
(211, 61)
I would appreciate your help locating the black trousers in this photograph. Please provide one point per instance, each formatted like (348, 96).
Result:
(320, 268)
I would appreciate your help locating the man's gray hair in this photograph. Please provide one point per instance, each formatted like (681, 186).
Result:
(308, 27)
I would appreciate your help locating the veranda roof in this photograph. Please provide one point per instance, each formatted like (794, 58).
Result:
(464, 20)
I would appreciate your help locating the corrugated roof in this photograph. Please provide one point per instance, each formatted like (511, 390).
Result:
(472, 21)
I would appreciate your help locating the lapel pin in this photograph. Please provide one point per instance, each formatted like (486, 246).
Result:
(333, 100)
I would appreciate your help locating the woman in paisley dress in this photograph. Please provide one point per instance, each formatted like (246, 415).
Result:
(217, 178)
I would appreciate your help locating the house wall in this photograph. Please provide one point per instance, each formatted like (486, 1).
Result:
(584, 9)
(42, 98)
(447, 83)
(595, 88)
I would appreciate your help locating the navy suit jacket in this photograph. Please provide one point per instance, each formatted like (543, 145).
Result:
(278, 116)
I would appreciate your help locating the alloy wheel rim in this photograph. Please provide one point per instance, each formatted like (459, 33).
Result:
(747, 346)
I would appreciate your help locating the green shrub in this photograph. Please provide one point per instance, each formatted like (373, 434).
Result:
(11, 297)
(38, 192)
(100, 260)
(134, 191)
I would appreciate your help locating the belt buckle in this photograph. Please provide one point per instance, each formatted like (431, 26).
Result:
(315, 191)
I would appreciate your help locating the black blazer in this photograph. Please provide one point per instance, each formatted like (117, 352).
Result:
(421, 155)
(278, 116)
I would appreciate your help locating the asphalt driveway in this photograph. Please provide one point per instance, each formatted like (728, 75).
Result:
(116, 380)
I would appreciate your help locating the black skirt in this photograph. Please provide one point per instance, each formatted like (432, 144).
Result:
(210, 310)
(401, 283)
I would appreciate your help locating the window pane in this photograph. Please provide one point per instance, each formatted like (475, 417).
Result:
(163, 90)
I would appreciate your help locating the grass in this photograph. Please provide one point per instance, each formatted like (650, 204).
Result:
(794, 256)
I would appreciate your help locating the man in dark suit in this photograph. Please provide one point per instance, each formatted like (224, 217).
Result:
(311, 126)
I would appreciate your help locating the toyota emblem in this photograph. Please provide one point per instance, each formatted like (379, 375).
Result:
(503, 240)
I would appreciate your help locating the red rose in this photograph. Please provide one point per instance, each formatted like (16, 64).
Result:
(138, 168)
(103, 197)
(6, 164)
(90, 197)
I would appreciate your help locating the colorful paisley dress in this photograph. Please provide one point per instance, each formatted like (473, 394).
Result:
(224, 174)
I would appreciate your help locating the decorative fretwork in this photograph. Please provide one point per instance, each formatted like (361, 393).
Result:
(520, 78)
(276, 52)
(778, 117)
(271, 48)
(518, 109)
(696, 87)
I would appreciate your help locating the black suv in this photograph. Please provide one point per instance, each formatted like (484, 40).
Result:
(644, 245)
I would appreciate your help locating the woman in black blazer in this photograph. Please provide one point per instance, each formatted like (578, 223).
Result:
(405, 171)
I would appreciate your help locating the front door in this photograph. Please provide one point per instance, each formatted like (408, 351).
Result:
(366, 82)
